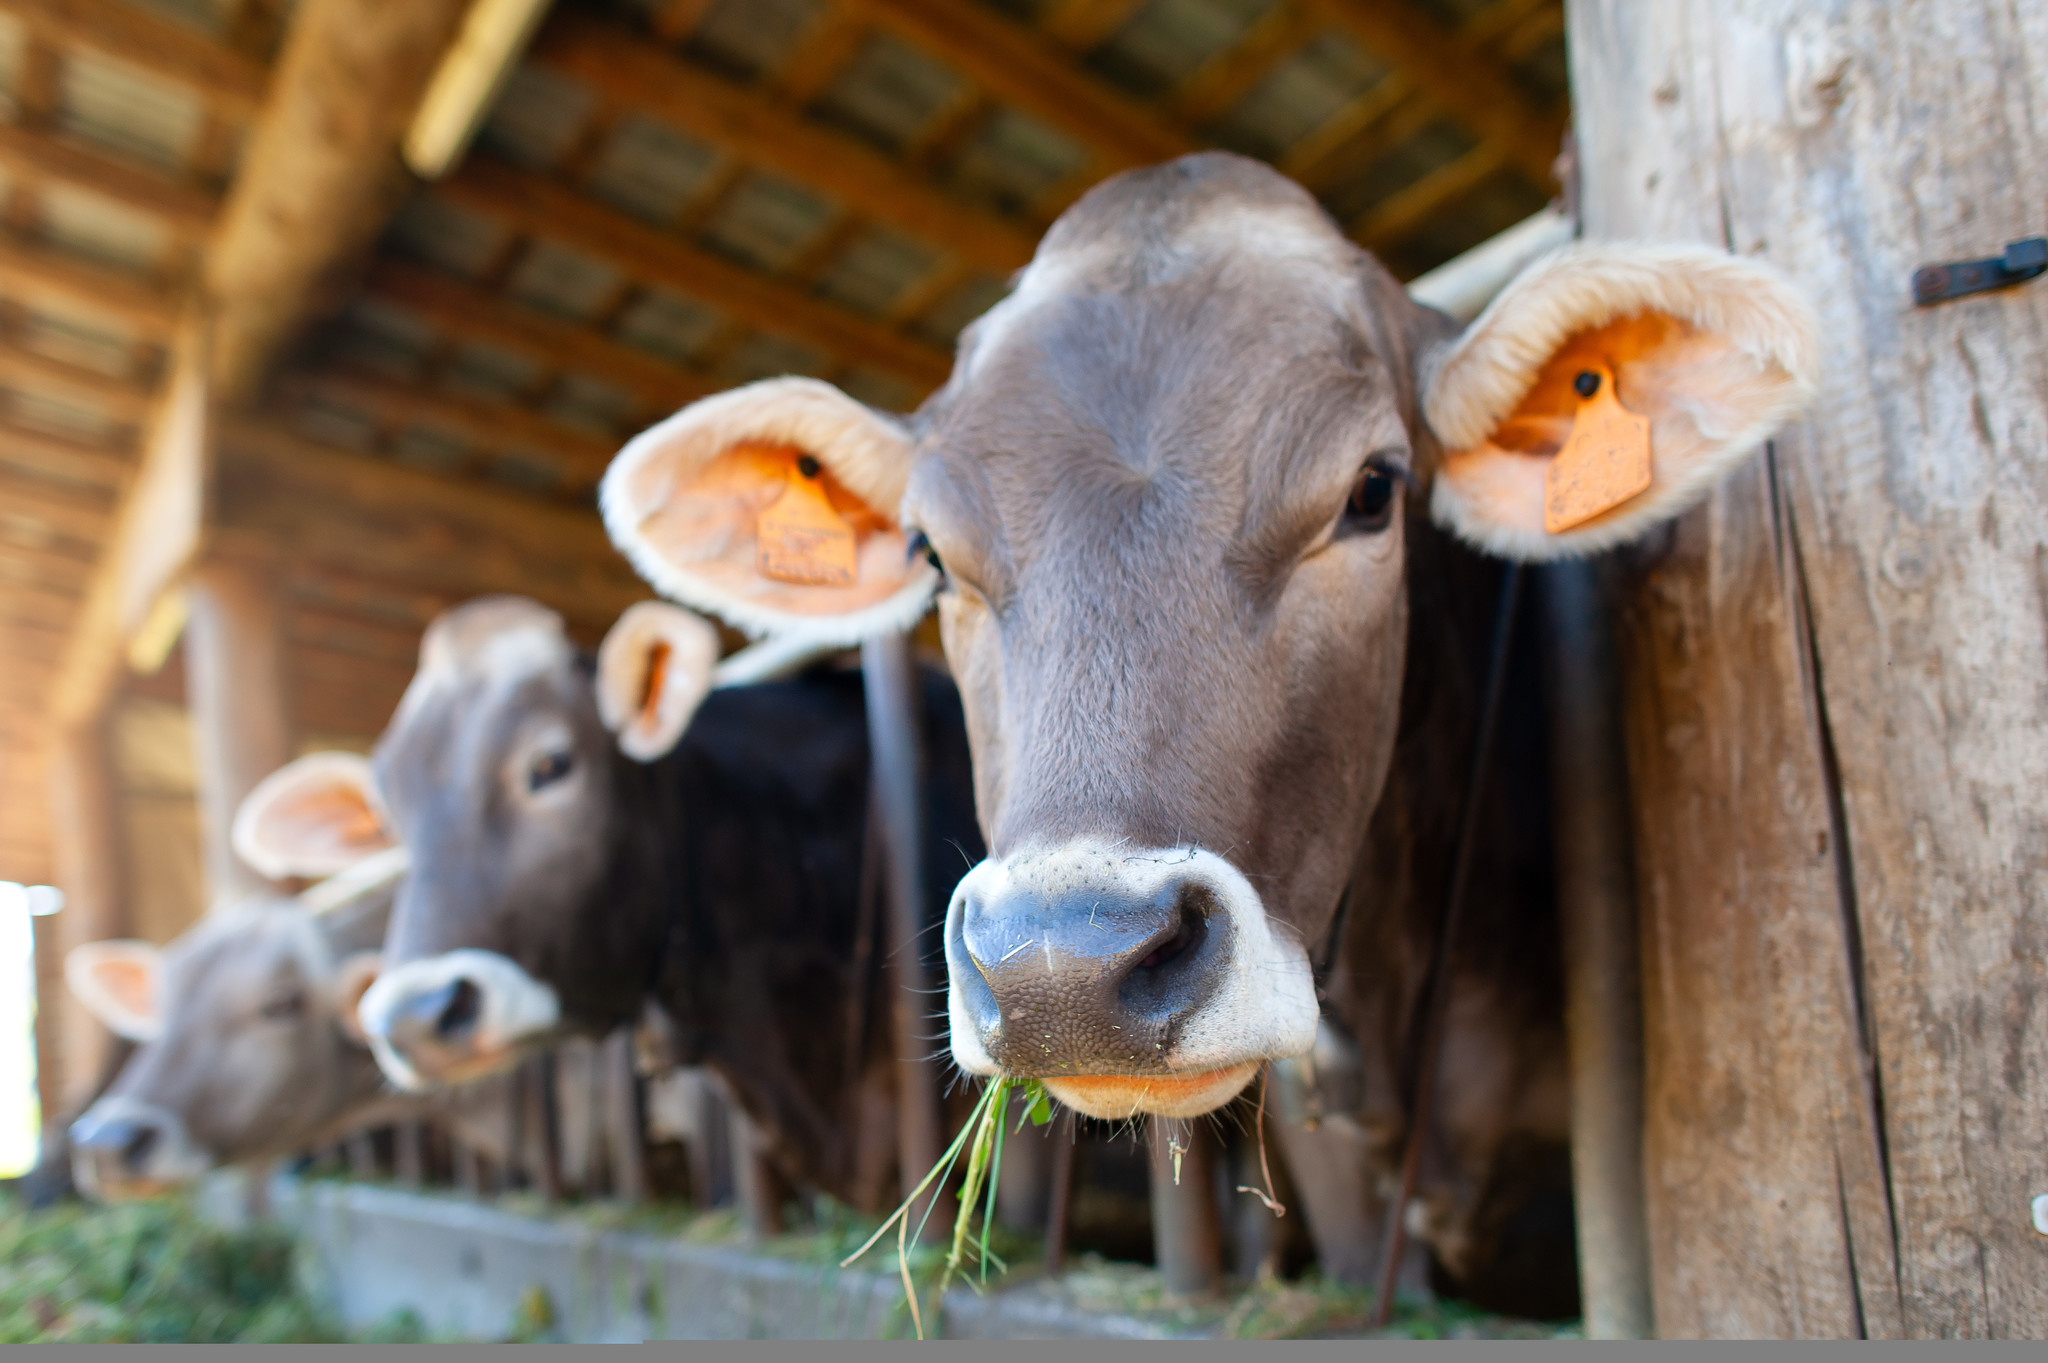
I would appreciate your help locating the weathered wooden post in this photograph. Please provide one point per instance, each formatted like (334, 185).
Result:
(237, 686)
(1833, 673)
(1187, 1226)
(889, 676)
(85, 836)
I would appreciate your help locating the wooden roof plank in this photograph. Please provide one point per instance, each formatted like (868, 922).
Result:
(42, 277)
(539, 207)
(1470, 85)
(186, 208)
(80, 516)
(611, 61)
(1397, 215)
(1022, 67)
(230, 81)
(463, 310)
(65, 460)
(122, 399)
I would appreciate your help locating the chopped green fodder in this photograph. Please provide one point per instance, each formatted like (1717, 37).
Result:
(982, 1138)
(152, 1272)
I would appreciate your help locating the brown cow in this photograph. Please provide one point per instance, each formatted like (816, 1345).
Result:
(1172, 502)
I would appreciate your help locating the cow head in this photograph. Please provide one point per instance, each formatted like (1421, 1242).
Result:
(506, 771)
(1166, 500)
(248, 1041)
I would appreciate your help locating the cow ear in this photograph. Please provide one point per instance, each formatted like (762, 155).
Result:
(118, 982)
(1697, 354)
(358, 971)
(773, 507)
(653, 670)
(314, 817)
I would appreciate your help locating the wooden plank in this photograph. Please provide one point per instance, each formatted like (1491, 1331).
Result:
(1020, 67)
(463, 310)
(122, 399)
(1082, 25)
(1468, 84)
(60, 282)
(184, 206)
(231, 82)
(1840, 750)
(541, 208)
(239, 698)
(319, 179)
(1394, 217)
(91, 871)
(493, 427)
(41, 568)
(82, 516)
(1225, 78)
(65, 460)
(619, 68)
(44, 607)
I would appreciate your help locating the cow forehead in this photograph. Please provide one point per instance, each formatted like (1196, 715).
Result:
(241, 952)
(493, 670)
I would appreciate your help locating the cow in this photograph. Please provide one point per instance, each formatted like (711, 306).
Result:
(591, 835)
(1198, 505)
(247, 1042)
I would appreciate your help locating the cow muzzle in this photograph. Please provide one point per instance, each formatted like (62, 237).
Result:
(125, 1148)
(455, 1017)
(1128, 980)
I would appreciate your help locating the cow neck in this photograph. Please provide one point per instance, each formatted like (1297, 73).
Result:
(654, 877)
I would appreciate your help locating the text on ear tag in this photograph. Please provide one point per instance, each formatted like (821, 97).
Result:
(801, 538)
(1604, 461)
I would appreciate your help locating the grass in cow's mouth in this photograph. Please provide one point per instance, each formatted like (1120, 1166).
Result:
(982, 1138)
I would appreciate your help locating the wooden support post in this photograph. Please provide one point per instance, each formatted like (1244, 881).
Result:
(1832, 677)
(896, 757)
(1187, 1228)
(241, 730)
(711, 1152)
(542, 1127)
(1061, 1202)
(756, 1180)
(624, 1128)
(409, 1154)
(87, 844)
(1024, 1183)
(1603, 1000)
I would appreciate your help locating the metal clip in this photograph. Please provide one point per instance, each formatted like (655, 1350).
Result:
(2022, 260)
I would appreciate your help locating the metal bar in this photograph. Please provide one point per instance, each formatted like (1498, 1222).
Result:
(1603, 997)
(889, 674)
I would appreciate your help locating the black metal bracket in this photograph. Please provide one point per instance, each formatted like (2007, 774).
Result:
(2022, 260)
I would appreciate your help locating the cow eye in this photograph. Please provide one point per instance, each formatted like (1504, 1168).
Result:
(921, 544)
(1370, 507)
(283, 1007)
(548, 768)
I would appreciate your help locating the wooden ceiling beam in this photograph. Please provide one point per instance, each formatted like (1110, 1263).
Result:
(490, 427)
(320, 176)
(185, 207)
(55, 572)
(1224, 80)
(65, 460)
(538, 207)
(1395, 216)
(456, 308)
(60, 282)
(1083, 25)
(124, 400)
(620, 68)
(32, 603)
(229, 81)
(80, 516)
(1470, 85)
(1022, 67)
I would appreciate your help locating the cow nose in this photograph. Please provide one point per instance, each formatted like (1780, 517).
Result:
(440, 1016)
(1086, 975)
(127, 1141)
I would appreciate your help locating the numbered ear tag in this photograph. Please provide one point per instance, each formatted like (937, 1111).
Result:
(801, 538)
(1604, 461)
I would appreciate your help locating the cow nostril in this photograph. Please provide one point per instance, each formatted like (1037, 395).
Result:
(135, 1151)
(1193, 906)
(465, 1004)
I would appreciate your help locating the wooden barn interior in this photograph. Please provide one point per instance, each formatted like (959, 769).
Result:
(270, 398)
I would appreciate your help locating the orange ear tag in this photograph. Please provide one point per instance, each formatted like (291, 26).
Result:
(801, 538)
(1604, 461)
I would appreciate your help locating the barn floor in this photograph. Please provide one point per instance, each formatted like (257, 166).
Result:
(478, 1270)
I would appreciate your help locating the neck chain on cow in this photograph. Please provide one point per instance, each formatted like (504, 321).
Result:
(1427, 1027)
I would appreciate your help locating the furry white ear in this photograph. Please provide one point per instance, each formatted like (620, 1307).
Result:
(653, 671)
(684, 501)
(1716, 351)
(358, 971)
(118, 982)
(314, 817)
